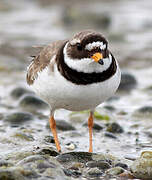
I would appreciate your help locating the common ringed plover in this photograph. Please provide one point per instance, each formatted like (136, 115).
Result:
(75, 74)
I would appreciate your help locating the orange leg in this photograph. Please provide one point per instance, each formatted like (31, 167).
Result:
(54, 132)
(90, 126)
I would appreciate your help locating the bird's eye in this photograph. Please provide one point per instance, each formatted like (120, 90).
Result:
(79, 47)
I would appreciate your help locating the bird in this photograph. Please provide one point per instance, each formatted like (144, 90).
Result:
(75, 74)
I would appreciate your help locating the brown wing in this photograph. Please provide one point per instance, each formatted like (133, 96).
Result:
(42, 60)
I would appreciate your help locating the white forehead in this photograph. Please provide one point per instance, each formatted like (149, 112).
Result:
(93, 45)
(74, 41)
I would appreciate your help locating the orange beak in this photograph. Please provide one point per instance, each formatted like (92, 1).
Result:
(97, 57)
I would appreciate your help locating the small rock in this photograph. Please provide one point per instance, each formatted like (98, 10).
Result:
(110, 108)
(94, 172)
(145, 109)
(31, 158)
(70, 157)
(49, 139)
(73, 173)
(99, 164)
(20, 91)
(110, 135)
(104, 157)
(11, 174)
(1, 116)
(119, 164)
(48, 151)
(17, 118)
(115, 171)
(76, 166)
(32, 103)
(115, 128)
(143, 112)
(95, 126)
(128, 82)
(5, 163)
(113, 98)
(62, 125)
(142, 166)
(45, 165)
(70, 146)
(23, 136)
(37, 164)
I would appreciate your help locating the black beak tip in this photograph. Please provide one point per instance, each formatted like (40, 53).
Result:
(101, 62)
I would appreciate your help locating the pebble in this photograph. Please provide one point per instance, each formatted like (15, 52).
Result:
(128, 82)
(47, 151)
(17, 92)
(11, 174)
(142, 167)
(1, 116)
(115, 171)
(100, 164)
(143, 112)
(17, 118)
(71, 146)
(110, 108)
(23, 136)
(114, 128)
(49, 139)
(38, 164)
(145, 109)
(95, 126)
(110, 135)
(32, 103)
(73, 173)
(5, 163)
(70, 157)
(123, 165)
(94, 172)
(62, 125)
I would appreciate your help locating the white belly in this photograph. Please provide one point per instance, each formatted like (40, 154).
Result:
(61, 93)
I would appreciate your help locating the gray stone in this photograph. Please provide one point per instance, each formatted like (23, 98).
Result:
(20, 91)
(110, 135)
(123, 165)
(115, 128)
(100, 164)
(5, 163)
(95, 126)
(142, 167)
(82, 157)
(145, 109)
(144, 112)
(110, 108)
(62, 125)
(73, 173)
(128, 82)
(38, 164)
(31, 158)
(48, 151)
(11, 174)
(94, 172)
(49, 139)
(23, 136)
(115, 171)
(18, 118)
(32, 103)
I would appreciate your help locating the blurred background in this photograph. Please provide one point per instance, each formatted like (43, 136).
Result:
(127, 24)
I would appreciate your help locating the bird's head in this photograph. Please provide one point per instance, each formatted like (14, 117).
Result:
(87, 49)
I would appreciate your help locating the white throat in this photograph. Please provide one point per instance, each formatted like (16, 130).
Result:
(86, 65)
